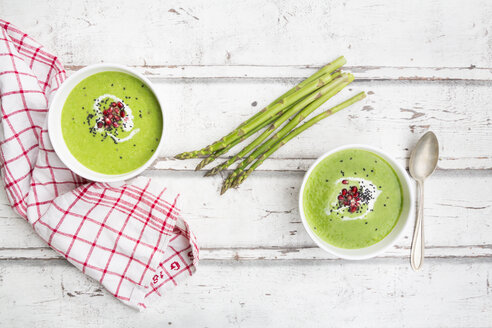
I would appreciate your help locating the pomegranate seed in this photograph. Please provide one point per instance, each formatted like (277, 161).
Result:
(115, 124)
(99, 124)
(117, 118)
(340, 197)
(113, 104)
(349, 197)
(344, 191)
(356, 194)
(110, 116)
(353, 209)
(344, 181)
(122, 113)
(120, 105)
(345, 203)
(357, 199)
(108, 121)
(105, 112)
(354, 189)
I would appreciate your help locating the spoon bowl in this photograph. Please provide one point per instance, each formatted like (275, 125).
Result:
(423, 162)
(425, 155)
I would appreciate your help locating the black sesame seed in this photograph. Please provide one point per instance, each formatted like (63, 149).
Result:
(366, 222)
(83, 88)
(363, 169)
(376, 229)
(142, 85)
(384, 205)
(121, 157)
(111, 84)
(350, 158)
(341, 160)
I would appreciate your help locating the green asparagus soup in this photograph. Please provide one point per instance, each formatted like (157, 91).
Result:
(112, 122)
(352, 199)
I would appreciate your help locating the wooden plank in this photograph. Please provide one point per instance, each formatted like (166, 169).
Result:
(377, 293)
(423, 34)
(362, 73)
(281, 253)
(393, 117)
(261, 221)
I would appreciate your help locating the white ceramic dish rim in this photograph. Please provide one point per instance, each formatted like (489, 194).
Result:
(405, 217)
(55, 131)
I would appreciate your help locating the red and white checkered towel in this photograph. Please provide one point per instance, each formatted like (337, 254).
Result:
(129, 237)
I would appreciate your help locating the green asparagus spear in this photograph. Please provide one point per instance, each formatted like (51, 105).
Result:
(209, 159)
(296, 132)
(314, 97)
(269, 111)
(340, 84)
(213, 157)
(327, 69)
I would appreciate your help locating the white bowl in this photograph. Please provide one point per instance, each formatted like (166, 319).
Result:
(388, 241)
(55, 129)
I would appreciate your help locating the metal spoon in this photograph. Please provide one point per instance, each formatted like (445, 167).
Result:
(423, 162)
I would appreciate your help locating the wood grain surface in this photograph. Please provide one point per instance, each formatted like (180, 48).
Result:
(426, 65)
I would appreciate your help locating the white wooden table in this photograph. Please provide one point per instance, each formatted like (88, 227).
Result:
(425, 65)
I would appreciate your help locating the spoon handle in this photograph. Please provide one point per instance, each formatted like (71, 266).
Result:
(417, 253)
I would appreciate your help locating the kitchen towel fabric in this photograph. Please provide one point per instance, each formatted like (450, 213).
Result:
(128, 236)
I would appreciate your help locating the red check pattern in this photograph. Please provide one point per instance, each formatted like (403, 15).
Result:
(129, 237)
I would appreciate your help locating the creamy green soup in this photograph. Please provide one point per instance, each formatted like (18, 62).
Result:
(352, 199)
(112, 122)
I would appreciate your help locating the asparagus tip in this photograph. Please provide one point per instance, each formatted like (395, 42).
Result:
(212, 172)
(238, 180)
(224, 188)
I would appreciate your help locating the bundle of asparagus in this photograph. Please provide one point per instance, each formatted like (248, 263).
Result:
(296, 104)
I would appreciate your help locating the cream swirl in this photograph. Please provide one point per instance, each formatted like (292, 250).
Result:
(364, 185)
(127, 121)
